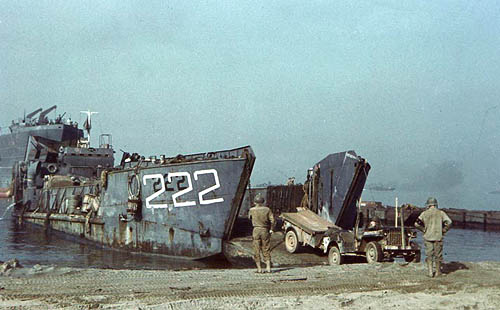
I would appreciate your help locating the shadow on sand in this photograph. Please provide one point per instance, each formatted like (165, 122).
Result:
(450, 267)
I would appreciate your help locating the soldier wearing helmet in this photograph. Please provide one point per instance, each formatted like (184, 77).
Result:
(434, 223)
(262, 222)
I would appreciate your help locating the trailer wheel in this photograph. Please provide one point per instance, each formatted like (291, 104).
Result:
(334, 256)
(373, 252)
(291, 241)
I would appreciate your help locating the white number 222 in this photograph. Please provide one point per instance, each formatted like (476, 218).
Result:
(201, 194)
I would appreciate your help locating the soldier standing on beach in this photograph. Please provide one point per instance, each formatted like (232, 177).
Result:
(262, 222)
(434, 223)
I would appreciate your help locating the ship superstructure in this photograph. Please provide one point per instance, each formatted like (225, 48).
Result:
(52, 132)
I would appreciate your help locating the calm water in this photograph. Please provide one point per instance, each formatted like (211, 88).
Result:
(30, 245)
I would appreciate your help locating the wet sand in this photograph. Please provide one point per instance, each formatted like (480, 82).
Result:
(353, 286)
(239, 253)
(298, 281)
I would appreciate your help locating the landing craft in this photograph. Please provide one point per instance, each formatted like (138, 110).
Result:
(184, 205)
(380, 188)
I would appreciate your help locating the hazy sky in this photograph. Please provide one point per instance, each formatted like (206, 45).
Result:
(412, 87)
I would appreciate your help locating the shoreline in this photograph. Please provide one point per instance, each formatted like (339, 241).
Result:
(350, 286)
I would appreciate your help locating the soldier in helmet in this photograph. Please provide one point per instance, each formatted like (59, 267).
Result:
(434, 223)
(374, 224)
(262, 222)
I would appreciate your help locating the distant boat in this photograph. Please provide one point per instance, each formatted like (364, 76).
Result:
(495, 192)
(380, 188)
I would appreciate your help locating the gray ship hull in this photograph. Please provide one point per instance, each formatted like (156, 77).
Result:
(183, 208)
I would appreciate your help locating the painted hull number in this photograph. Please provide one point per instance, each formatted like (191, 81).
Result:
(185, 176)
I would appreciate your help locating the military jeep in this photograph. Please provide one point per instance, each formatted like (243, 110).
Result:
(383, 244)
(305, 228)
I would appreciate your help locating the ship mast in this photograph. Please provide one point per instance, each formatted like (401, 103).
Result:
(88, 123)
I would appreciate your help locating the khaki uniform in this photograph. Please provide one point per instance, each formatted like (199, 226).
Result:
(304, 203)
(434, 223)
(262, 222)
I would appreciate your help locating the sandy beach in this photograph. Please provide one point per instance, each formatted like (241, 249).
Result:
(353, 286)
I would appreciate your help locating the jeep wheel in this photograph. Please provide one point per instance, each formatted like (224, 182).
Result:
(334, 256)
(291, 241)
(413, 258)
(373, 252)
(417, 257)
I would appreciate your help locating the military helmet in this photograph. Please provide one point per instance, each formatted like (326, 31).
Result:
(431, 201)
(258, 198)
